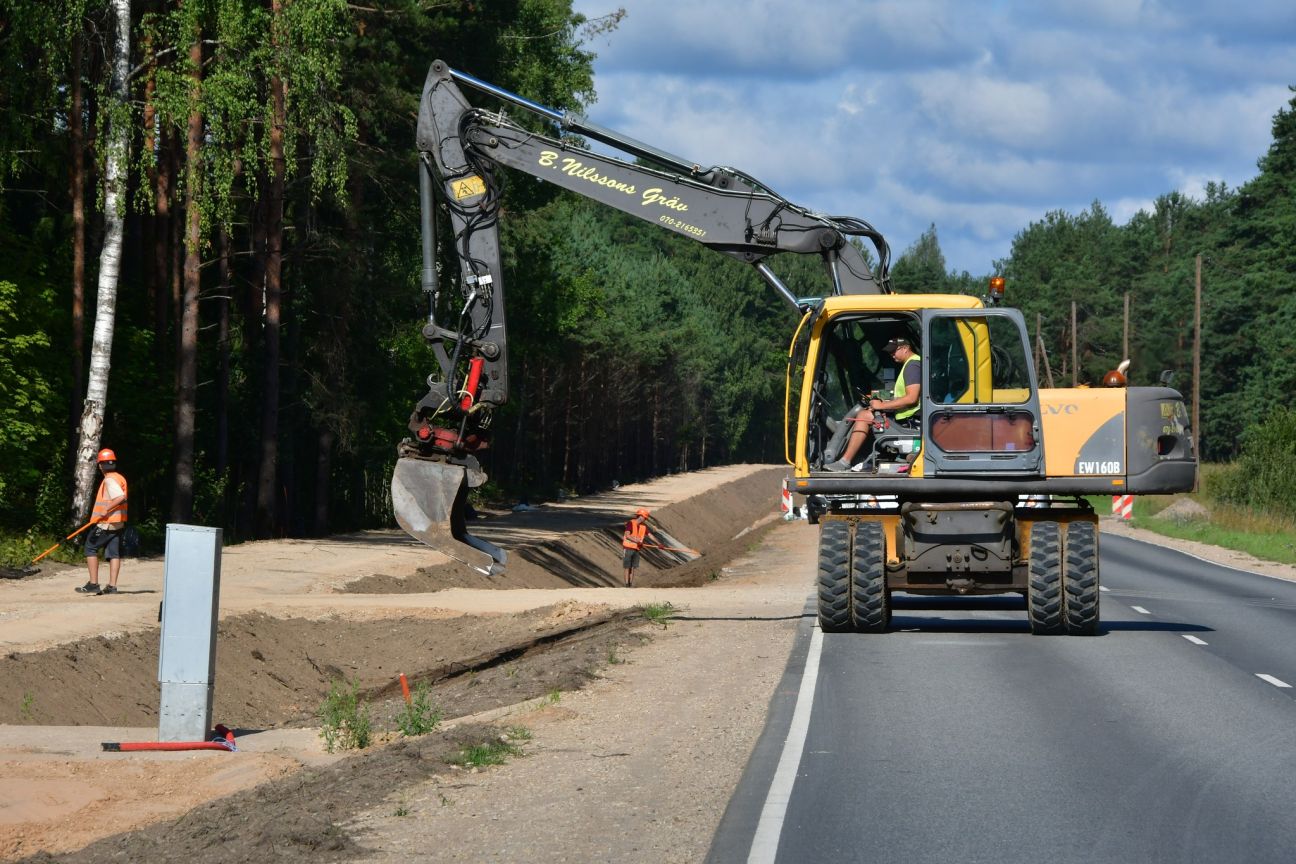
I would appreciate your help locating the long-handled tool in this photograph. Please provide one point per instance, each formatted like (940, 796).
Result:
(671, 548)
(64, 540)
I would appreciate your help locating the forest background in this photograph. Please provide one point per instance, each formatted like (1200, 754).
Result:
(267, 351)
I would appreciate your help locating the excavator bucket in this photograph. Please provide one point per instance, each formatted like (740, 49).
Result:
(430, 500)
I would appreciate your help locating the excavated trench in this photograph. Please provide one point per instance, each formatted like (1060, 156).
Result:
(275, 671)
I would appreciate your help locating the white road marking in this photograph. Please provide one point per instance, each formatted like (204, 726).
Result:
(1194, 640)
(1277, 682)
(1103, 588)
(765, 843)
(1140, 610)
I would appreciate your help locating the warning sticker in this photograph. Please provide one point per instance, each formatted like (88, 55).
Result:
(468, 187)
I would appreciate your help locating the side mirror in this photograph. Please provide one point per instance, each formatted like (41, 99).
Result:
(1167, 377)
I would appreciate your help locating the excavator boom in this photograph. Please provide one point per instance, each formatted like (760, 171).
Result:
(461, 147)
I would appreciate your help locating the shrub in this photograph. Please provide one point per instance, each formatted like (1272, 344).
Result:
(419, 716)
(344, 718)
(1262, 478)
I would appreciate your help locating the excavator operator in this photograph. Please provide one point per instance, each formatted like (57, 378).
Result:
(905, 402)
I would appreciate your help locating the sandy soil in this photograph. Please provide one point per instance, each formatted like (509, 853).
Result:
(633, 751)
(298, 615)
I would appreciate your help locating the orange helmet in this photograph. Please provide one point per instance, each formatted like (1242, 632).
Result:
(106, 455)
(642, 512)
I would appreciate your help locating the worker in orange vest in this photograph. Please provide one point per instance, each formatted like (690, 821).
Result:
(632, 540)
(110, 517)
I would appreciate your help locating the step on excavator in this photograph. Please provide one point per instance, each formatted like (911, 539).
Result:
(956, 495)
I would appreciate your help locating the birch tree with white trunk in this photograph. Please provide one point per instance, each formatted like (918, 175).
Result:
(116, 158)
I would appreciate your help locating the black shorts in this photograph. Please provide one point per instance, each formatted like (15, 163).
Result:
(630, 559)
(108, 541)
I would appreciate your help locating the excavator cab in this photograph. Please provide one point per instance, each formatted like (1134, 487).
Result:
(980, 410)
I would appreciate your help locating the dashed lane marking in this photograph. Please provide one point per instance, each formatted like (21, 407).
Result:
(1103, 588)
(1194, 639)
(1140, 610)
(1277, 682)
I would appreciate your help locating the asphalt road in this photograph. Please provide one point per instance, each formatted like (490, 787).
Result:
(959, 737)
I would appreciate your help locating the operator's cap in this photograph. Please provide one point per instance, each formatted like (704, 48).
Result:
(642, 512)
(896, 343)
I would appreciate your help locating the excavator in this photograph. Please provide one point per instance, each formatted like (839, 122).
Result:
(983, 490)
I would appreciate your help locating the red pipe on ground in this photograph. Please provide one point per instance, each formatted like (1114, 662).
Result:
(224, 741)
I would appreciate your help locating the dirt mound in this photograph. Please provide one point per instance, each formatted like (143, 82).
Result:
(276, 671)
(587, 552)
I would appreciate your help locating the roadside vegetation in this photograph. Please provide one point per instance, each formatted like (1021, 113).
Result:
(1248, 505)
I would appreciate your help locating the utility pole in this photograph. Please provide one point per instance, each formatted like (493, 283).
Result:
(1039, 322)
(1196, 417)
(1075, 372)
(1125, 355)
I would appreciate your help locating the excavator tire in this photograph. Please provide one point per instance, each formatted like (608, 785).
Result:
(1044, 585)
(1080, 580)
(834, 576)
(868, 603)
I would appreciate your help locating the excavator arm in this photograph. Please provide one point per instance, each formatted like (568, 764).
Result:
(460, 148)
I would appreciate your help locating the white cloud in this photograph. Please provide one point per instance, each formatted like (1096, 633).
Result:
(978, 117)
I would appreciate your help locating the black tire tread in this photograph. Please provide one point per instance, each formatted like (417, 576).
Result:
(1044, 585)
(1080, 579)
(834, 576)
(868, 604)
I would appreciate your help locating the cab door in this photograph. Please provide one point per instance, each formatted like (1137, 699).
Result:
(981, 410)
(795, 420)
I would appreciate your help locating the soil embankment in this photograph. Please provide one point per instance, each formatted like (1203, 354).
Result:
(300, 615)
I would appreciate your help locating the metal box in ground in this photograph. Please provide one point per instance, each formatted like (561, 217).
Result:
(187, 657)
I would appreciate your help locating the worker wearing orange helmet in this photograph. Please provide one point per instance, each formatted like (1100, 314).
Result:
(634, 537)
(109, 516)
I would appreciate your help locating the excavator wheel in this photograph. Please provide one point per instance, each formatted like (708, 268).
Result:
(1080, 579)
(869, 600)
(431, 499)
(1044, 586)
(834, 576)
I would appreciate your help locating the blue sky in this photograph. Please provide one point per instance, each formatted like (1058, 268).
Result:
(979, 117)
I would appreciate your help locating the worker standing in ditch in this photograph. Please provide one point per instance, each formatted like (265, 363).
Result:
(634, 537)
(109, 516)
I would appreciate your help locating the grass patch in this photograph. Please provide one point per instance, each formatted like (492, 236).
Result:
(419, 715)
(1265, 534)
(495, 752)
(344, 718)
(657, 613)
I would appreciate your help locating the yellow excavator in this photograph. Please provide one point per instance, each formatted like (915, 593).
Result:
(981, 490)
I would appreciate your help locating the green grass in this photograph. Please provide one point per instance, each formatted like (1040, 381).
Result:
(344, 718)
(494, 752)
(657, 613)
(419, 716)
(1266, 535)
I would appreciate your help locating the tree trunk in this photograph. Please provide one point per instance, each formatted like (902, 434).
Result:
(268, 471)
(76, 129)
(323, 470)
(182, 496)
(223, 347)
(118, 158)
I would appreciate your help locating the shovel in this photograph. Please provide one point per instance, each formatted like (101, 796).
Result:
(61, 542)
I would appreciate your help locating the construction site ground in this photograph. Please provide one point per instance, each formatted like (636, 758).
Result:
(630, 736)
(634, 742)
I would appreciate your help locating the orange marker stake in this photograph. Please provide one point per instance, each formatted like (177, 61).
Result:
(405, 688)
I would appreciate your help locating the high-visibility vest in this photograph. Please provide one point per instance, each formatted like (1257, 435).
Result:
(104, 513)
(899, 390)
(638, 532)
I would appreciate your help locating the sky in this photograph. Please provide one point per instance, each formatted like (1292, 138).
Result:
(977, 117)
